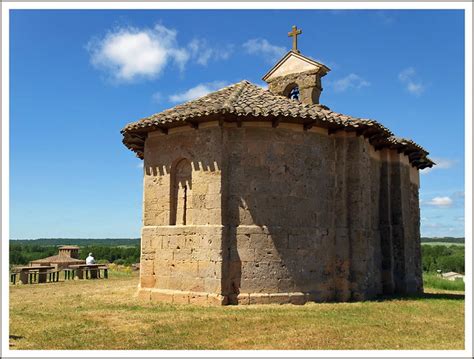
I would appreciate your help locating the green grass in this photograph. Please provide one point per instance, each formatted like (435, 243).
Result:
(433, 281)
(106, 314)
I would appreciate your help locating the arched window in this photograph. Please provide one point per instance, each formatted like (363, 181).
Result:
(181, 187)
(294, 93)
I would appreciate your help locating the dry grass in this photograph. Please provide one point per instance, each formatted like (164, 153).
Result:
(106, 314)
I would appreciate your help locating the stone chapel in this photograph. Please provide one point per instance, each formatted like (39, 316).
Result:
(256, 196)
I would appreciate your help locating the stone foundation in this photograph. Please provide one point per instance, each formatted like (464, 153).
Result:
(182, 258)
(181, 297)
(212, 299)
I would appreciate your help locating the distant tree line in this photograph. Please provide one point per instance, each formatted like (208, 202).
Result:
(117, 255)
(444, 258)
(442, 240)
(79, 241)
(21, 254)
(127, 251)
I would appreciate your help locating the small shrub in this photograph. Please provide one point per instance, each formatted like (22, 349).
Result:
(112, 266)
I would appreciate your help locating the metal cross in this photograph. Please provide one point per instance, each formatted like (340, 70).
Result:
(294, 33)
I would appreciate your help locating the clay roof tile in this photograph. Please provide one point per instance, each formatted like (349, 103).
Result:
(245, 99)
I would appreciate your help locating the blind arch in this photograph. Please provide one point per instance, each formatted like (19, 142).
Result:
(181, 192)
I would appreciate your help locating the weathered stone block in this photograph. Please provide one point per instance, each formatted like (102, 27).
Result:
(243, 241)
(259, 298)
(181, 297)
(162, 282)
(193, 284)
(143, 294)
(146, 267)
(212, 285)
(216, 299)
(215, 255)
(279, 298)
(199, 299)
(181, 254)
(260, 241)
(161, 297)
(243, 298)
(207, 269)
(297, 298)
(164, 254)
(243, 254)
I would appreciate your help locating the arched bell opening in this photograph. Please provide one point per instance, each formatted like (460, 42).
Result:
(292, 91)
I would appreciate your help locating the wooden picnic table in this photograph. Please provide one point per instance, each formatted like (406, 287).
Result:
(41, 270)
(93, 269)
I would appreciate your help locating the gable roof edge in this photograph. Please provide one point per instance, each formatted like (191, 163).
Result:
(298, 55)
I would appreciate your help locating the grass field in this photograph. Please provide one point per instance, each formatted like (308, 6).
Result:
(106, 314)
(433, 281)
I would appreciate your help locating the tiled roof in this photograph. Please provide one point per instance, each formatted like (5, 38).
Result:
(58, 259)
(245, 101)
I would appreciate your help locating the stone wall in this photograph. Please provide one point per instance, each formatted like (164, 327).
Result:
(278, 188)
(162, 152)
(400, 225)
(357, 257)
(182, 263)
(278, 215)
(309, 84)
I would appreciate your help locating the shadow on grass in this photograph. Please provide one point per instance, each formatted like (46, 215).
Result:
(16, 337)
(443, 296)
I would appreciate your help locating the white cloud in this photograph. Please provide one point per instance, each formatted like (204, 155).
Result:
(262, 47)
(441, 164)
(202, 52)
(197, 91)
(415, 88)
(157, 97)
(413, 84)
(441, 229)
(128, 54)
(350, 81)
(432, 225)
(406, 74)
(131, 53)
(441, 202)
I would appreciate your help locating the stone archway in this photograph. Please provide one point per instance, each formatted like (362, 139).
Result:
(290, 89)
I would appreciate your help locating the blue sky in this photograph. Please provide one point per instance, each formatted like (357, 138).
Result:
(77, 77)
